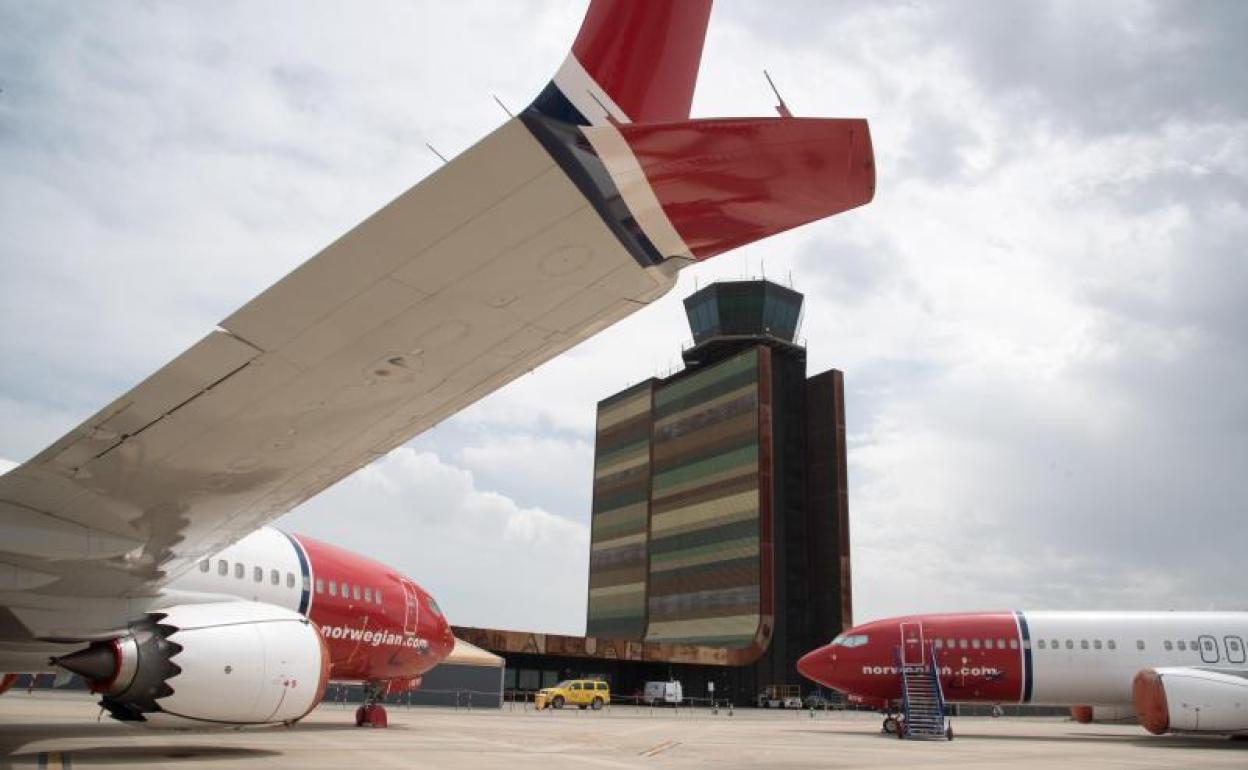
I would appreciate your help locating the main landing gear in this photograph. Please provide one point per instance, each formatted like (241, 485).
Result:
(372, 713)
(892, 725)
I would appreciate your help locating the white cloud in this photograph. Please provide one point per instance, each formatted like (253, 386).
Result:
(489, 561)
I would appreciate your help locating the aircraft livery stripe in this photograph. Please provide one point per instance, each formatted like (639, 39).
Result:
(305, 598)
(1026, 644)
(569, 148)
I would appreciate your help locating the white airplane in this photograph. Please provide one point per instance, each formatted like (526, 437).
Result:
(577, 212)
(1175, 671)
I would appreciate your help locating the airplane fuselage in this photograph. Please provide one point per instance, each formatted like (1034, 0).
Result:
(1050, 658)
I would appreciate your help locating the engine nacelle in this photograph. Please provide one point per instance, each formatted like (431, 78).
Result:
(231, 663)
(1191, 700)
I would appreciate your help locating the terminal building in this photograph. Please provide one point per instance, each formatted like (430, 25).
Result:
(719, 545)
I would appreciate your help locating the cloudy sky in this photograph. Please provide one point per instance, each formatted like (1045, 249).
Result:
(1040, 317)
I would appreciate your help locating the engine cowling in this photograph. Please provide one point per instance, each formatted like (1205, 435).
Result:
(231, 663)
(1191, 700)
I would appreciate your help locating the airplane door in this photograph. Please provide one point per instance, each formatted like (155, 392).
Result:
(411, 608)
(911, 644)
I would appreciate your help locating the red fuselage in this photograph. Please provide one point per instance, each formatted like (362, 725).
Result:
(378, 625)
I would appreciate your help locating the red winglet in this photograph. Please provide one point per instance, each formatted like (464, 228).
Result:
(727, 182)
(645, 53)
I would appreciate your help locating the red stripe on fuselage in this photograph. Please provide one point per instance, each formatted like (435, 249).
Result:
(401, 637)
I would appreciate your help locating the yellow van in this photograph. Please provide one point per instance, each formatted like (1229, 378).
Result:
(582, 693)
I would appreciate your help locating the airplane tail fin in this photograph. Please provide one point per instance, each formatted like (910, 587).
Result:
(633, 61)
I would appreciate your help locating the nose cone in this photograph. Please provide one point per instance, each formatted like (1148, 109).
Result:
(819, 666)
(441, 638)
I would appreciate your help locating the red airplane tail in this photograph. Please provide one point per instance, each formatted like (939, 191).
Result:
(633, 61)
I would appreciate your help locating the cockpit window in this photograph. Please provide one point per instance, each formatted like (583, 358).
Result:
(852, 640)
(434, 606)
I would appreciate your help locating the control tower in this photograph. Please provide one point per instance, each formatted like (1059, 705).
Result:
(720, 505)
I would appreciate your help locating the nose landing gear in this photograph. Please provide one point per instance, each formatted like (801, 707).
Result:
(372, 713)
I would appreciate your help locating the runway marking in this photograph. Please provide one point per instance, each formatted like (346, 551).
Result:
(659, 749)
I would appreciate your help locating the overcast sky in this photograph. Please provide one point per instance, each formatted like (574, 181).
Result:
(1040, 318)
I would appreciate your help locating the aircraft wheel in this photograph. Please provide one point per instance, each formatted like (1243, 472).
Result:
(890, 725)
(371, 715)
(557, 702)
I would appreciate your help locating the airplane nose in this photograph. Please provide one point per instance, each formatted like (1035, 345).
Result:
(817, 666)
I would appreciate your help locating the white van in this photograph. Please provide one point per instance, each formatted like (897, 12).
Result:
(663, 693)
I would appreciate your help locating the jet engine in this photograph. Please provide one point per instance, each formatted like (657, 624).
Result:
(1191, 700)
(230, 663)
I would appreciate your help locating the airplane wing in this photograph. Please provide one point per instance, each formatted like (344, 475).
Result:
(564, 220)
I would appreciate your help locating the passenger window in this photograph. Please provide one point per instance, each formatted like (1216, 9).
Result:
(1000, 644)
(1083, 644)
(257, 574)
(304, 582)
(223, 567)
(950, 643)
(346, 590)
(203, 566)
(1111, 644)
(987, 644)
(962, 643)
(320, 586)
(355, 593)
(290, 580)
(1139, 644)
(1193, 646)
(378, 595)
(974, 644)
(1053, 644)
(1014, 644)
(1042, 644)
(333, 588)
(1070, 644)
(1168, 645)
(239, 570)
(368, 594)
(275, 577)
(1182, 646)
(1096, 644)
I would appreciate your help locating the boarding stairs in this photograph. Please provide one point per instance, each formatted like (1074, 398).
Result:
(923, 702)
